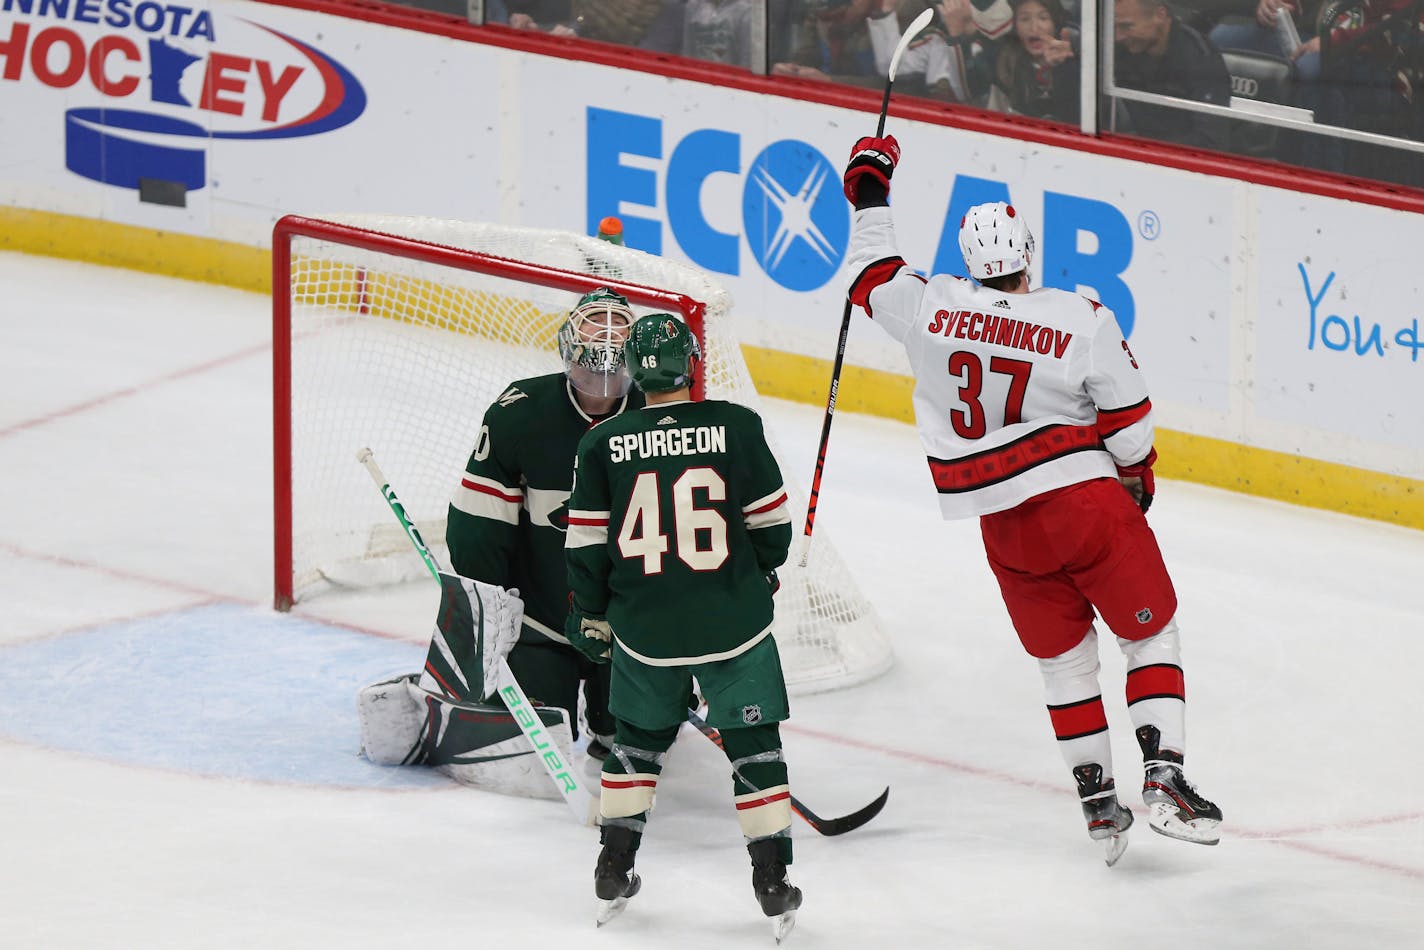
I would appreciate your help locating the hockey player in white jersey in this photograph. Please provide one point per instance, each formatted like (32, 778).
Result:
(1035, 418)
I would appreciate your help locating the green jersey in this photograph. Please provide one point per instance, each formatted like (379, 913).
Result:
(678, 513)
(508, 517)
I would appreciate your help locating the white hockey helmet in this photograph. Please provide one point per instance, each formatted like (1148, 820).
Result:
(995, 241)
(591, 343)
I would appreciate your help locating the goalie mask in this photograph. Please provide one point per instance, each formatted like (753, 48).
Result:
(995, 241)
(662, 353)
(591, 343)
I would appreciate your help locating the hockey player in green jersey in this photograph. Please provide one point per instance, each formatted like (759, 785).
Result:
(508, 516)
(677, 523)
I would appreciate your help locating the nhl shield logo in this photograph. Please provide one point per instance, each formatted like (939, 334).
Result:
(1144, 615)
(751, 715)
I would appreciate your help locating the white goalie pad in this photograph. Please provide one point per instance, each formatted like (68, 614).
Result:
(392, 719)
(510, 766)
(476, 744)
(476, 627)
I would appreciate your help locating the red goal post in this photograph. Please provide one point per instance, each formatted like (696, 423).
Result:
(398, 332)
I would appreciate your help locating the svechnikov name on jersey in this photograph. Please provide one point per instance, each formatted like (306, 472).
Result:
(1001, 331)
(687, 440)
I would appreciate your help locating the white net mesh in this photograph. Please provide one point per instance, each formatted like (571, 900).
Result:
(403, 355)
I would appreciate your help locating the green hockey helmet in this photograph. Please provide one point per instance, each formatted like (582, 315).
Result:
(662, 353)
(591, 343)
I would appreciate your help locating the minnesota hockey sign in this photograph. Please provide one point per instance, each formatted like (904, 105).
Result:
(149, 85)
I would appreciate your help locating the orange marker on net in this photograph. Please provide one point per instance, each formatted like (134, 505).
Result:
(610, 229)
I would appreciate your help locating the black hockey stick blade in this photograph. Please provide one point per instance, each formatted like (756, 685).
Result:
(830, 827)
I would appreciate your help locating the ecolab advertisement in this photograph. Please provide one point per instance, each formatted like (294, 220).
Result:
(754, 197)
(1273, 319)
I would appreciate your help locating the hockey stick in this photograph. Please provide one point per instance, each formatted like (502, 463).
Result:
(580, 802)
(826, 826)
(911, 31)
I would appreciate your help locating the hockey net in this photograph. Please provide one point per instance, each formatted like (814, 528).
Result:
(396, 333)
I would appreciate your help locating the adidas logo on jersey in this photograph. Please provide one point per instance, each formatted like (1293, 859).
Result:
(1002, 303)
(667, 421)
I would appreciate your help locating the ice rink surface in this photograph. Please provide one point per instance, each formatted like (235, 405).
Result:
(178, 762)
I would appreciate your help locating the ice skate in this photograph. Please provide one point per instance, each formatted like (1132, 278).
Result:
(1175, 809)
(614, 880)
(778, 898)
(1107, 820)
(598, 748)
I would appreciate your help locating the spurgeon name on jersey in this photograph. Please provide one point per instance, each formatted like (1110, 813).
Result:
(1015, 394)
(509, 513)
(677, 514)
(699, 440)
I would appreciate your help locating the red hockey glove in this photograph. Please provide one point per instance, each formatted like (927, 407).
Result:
(867, 175)
(1138, 480)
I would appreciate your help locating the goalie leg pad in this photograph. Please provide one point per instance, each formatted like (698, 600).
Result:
(392, 722)
(476, 744)
(481, 745)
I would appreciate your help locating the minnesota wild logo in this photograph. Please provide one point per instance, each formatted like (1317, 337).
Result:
(559, 517)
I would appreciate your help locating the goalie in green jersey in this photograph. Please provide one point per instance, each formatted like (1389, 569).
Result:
(505, 531)
(508, 515)
(677, 523)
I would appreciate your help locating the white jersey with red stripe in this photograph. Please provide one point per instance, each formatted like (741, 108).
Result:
(1015, 394)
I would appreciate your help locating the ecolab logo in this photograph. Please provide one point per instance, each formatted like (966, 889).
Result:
(794, 217)
(264, 85)
(796, 222)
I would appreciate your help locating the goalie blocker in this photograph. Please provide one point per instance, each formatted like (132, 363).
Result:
(448, 715)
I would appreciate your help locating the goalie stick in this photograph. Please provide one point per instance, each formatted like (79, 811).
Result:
(826, 826)
(911, 31)
(564, 776)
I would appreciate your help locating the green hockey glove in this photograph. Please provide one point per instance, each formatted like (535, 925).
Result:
(588, 634)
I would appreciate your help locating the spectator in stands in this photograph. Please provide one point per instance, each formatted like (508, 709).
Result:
(1372, 68)
(1255, 25)
(946, 61)
(1158, 53)
(720, 31)
(552, 16)
(1376, 45)
(1036, 72)
(938, 62)
(1283, 28)
(994, 25)
(994, 19)
(654, 25)
(825, 40)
